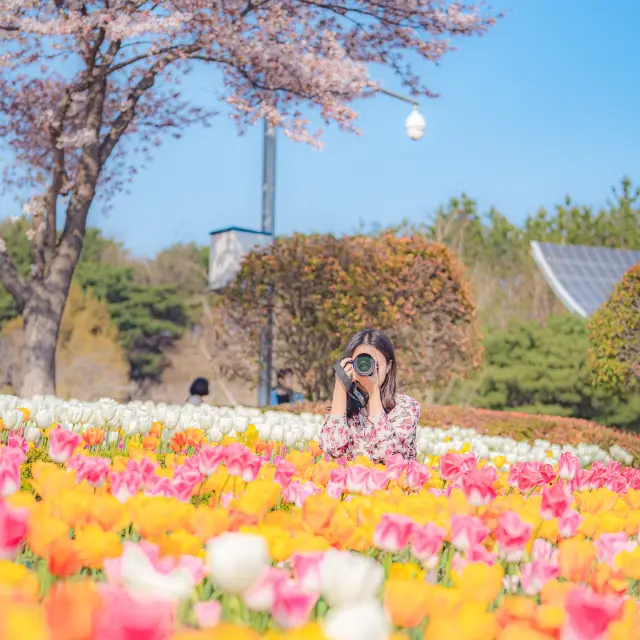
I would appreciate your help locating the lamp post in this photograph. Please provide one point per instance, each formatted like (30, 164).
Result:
(414, 126)
(268, 211)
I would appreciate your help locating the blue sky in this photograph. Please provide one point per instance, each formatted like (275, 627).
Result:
(544, 105)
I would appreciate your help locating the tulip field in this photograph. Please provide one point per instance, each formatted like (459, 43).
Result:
(153, 522)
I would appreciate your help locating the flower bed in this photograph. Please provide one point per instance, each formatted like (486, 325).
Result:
(520, 426)
(131, 522)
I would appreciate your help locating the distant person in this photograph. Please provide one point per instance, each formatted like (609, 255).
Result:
(284, 393)
(198, 390)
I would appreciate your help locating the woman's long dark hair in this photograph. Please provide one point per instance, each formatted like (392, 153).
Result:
(378, 340)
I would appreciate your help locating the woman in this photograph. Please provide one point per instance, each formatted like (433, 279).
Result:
(388, 423)
(198, 390)
(284, 393)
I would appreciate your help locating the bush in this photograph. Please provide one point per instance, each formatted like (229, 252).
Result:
(614, 332)
(543, 369)
(327, 288)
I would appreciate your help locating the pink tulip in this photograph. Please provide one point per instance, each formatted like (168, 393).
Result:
(467, 531)
(306, 569)
(512, 536)
(534, 575)
(13, 530)
(417, 475)
(609, 545)
(92, 469)
(181, 489)
(124, 484)
(10, 461)
(62, 444)
(544, 550)
(478, 488)
(568, 466)
(357, 478)
(261, 597)
(547, 473)
(377, 481)
(240, 462)
(144, 467)
(568, 523)
(284, 472)
(298, 492)
(478, 553)
(393, 532)
(555, 501)
(292, 605)
(588, 615)
(395, 464)
(18, 442)
(527, 476)
(124, 617)
(454, 464)
(209, 459)
(207, 614)
(426, 544)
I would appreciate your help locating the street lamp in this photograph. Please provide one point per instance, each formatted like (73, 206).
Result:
(414, 126)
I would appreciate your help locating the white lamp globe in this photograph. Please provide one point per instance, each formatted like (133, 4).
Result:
(415, 124)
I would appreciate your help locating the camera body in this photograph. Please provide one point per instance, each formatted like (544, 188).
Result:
(364, 366)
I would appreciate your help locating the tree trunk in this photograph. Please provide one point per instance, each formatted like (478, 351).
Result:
(42, 316)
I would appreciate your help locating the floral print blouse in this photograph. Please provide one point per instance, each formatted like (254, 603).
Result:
(376, 438)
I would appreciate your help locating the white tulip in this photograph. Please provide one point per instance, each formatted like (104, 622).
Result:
(360, 621)
(140, 577)
(236, 560)
(12, 419)
(348, 578)
(225, 425)
(214, 435)
(108, 409)
(32, 434)
(277, 433)
(240, 424)
(171, 419)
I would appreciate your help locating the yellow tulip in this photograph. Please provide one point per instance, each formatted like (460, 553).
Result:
(479, 582)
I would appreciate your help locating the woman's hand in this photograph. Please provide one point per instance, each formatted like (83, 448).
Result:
(347, 365)
(371, 384)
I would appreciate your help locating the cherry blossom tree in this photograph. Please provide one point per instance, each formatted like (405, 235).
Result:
(86, 83)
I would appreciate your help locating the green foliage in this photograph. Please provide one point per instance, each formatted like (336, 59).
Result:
(543, 370)
(15, 237)
(614, 332)
(328, 288)
(150, 318)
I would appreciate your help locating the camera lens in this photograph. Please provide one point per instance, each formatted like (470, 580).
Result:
(364, 365)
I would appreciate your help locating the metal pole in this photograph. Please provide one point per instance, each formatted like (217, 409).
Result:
(268, 216)
(398, 96)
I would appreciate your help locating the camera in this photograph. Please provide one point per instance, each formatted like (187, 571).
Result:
(363, 365)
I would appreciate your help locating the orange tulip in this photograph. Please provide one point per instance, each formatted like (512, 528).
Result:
(317, 511)
(150, 442)
(406, 601)
(576, 558)
(93, 436)
(63, 558)
(70, 607)
(178, 442)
